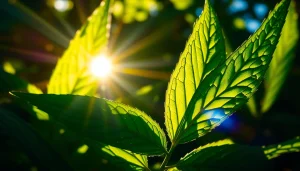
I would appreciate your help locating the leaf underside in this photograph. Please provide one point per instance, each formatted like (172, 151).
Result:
(227, 85)
(72, 75)
(104, 121)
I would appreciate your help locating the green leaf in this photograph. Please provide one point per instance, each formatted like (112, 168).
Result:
(251, 104)
(204, 51)
(72, 74)
(104, 121)
(282, 59)
(273, 151)
(28, 140)
(227, 87)
(223, 155)
(126, 159)
(10, 82)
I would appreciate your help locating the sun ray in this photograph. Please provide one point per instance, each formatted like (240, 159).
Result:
(160, 75)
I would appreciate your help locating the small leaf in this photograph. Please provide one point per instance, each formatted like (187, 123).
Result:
(282, 59)
(227, 87)
(10, 82)
(72, 75)
(204, 51)
(291, 146)
(104, 121)
(251, 104)
(223, 155)
(124, 158)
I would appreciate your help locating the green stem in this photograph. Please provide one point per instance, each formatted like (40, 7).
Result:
(167, 157)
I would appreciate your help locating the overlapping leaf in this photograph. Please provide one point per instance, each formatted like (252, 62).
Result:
(290, 146)
(71, 75)
(10, 82)
(223, 155)
(126, 159)
(104, 121)
(226, 87)
(282, 59)
(203, 52)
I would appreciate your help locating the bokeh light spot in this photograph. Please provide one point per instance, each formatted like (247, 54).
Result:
(63, 5)
(260, 10)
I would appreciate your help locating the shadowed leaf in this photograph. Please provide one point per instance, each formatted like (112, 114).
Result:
(223, 155)
(103, 121)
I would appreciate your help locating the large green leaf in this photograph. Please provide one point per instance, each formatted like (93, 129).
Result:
(72, 74)
(223, 155)
(28, 140)
(282, 59)
(204, 51)
(227, 87)
(290, 146)
(102, 120)
(123, 158)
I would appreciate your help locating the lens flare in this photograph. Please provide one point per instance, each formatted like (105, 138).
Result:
(101, 67)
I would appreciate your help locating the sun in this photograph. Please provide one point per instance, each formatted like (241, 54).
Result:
(101, 66)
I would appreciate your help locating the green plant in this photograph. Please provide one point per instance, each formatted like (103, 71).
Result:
(206, 87)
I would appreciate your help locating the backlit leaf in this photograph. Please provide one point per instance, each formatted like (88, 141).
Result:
(223, 155)
(203, 52)
(104, 121)
(226, 88)
(273, 151)
(282, 59)
(72, 74)
(126, 159)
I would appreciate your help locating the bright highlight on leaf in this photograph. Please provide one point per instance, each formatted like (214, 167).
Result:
(101, 67)
(205, 79)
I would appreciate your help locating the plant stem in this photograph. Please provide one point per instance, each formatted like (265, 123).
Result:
(167, 157)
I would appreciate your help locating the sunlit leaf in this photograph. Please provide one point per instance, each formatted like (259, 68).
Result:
(102, 120)
(290, 146)
(39, 151)
(227, 87)
(282, 59)
(123, 158)
(72, 74)
(203, 52)
(223, 155)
